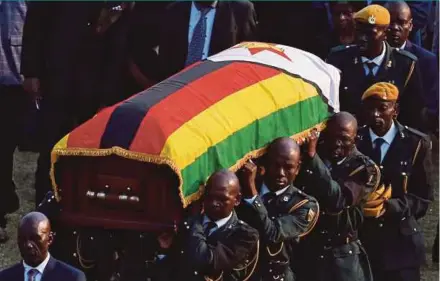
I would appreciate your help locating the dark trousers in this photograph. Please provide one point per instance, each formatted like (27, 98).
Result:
(13, 103)
(407, 274)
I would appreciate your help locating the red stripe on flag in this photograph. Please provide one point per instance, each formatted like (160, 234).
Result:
(184, 104)
(88, 135)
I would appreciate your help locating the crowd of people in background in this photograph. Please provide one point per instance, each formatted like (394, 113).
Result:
(62, 62)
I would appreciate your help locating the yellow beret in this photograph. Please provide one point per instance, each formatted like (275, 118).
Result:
(382, 90)
(373, 14)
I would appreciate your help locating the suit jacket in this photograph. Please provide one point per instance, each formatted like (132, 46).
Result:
(234, 23)
(195, 256)
(428, 64)
(399, 67)
(280, 222)
(341, 192)
(12, 15)
(395, 241)
(55, 270)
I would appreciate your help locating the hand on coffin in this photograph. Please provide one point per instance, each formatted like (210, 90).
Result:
(247, 175)
(312, 142)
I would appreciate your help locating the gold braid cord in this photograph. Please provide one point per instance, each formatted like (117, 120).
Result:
(155, 159)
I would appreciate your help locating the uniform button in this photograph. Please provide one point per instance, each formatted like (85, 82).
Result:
(187, 227)
(89, 24)
(345, 88)
(380, 224)
(270, 270)
(350, 252)
(321, 257)
(195, 273)
(404, 218)
(185, 223)
(415, 229)
(181, 252)
(272, 218)
(329, 240)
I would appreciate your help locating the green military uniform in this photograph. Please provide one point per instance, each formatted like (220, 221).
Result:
(333, 249)
(394, 241)
(228, 254)
(399, 67)
(279, 221)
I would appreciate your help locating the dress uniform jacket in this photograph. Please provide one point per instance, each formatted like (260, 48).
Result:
(394, 241)
(399, 67)
(223, 255)
(280, 222)
(333, 247)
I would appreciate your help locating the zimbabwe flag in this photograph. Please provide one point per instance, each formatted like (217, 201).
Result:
(215, 114)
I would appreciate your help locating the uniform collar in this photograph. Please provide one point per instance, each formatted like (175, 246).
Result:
(220, 222)
(39, 267)
(388, 137)
(377, 60)
(403, 45)
(264, 190)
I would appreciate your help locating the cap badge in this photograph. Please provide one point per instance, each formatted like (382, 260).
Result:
(372, 19)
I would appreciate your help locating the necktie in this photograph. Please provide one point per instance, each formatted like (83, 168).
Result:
(371, 66)
(377, 150)
(32, 274)
(268, 197)
(195, 50)
(208, 226)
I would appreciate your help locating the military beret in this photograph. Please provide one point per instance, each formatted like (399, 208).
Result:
(382, 90)
(373, 14)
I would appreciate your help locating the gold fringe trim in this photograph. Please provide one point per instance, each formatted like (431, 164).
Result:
(218, 279)
(155, 159)
(298, 205)
(360, 168)
(255, 261)
(277, 252)
(417, 152)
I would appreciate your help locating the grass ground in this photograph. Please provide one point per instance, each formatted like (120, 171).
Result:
(25, 165)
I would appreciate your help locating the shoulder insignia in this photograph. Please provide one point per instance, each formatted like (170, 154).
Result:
(311, 215)
(405, 53)
(416, 132)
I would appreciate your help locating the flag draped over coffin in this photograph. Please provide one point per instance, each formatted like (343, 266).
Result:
(214, 114)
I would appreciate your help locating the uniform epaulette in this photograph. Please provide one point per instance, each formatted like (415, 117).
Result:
(340, 48)
(405, 53)
(417, 133)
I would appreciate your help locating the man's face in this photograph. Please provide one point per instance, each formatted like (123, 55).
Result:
(33, 242)
(281, 169)
(220, 199)
(400, 27)
(369, 37)
(342, 15)
(339, 142)
(379, 115)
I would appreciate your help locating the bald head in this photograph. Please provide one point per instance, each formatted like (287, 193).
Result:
(282, 163)
(34, 238)
(222, 194)
(283, 145)
(343, 120)
(400, 23)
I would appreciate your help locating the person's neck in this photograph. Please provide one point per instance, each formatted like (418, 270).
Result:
(373, 53)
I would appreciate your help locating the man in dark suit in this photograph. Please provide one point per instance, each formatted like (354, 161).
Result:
(398, 32)
(392, 236)
(372, 60)
(13, 102)
(341, 178)
(278, 210)
(194, 30)
(34, 239)
(215, 245)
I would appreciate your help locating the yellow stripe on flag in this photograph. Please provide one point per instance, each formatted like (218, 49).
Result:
(61, 144)
(233, 113)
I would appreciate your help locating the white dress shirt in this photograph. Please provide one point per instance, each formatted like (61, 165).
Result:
(219, 223)
(403, 46)
(377, 61)
(388, 138)
(264, 190)
(194, 19)
(39, 267)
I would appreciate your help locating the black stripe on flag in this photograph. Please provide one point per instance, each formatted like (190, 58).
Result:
(127, 117)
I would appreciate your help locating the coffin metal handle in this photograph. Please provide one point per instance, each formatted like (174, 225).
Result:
(102, 196)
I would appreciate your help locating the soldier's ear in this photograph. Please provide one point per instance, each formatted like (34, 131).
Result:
(410, 25)
(51, 237)
(237, 199)
(396, 110)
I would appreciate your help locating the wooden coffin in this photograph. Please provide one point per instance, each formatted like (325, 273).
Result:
(117, 193)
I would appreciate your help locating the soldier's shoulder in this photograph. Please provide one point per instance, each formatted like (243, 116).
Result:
(362, 131)
(301, 198)
(245, 228)
(342, 51)
(417, 135)
(404, 55)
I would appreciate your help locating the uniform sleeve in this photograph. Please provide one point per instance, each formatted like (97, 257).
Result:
(337, 195)
(294, 224)
(419, 189)
(411, 101)
(225, 255)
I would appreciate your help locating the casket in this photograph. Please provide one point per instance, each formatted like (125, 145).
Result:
(140, 163)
